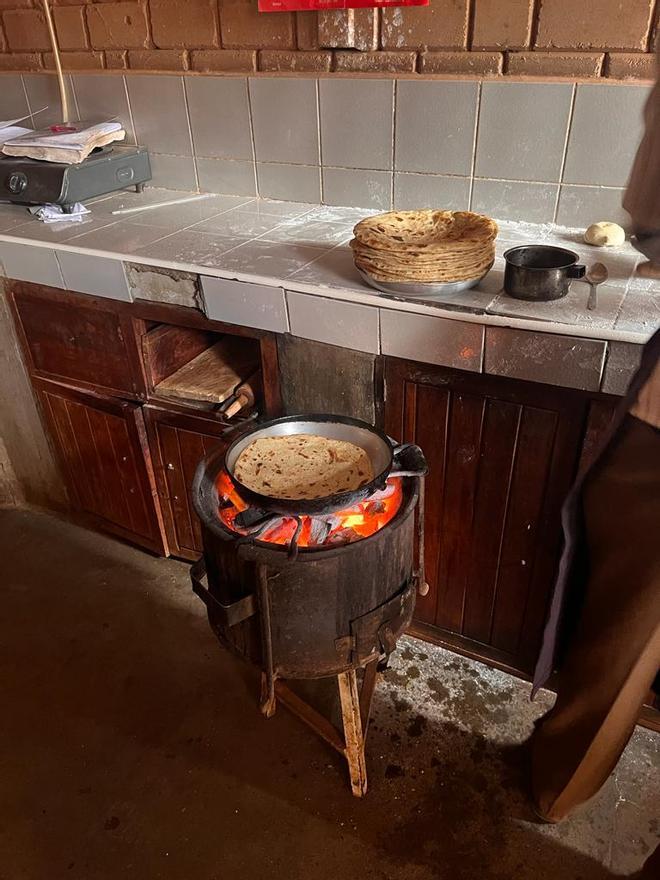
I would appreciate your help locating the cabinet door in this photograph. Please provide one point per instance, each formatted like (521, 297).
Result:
(79, 340)
(103, 449)
(502, 455)
(179, 442)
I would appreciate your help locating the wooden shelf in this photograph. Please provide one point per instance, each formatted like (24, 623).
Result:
(212, 376)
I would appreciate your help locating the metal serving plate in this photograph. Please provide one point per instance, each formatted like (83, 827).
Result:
(420, 290)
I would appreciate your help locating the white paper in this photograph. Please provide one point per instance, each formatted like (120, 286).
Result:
(55, 214)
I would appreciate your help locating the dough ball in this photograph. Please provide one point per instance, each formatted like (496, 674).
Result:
(605, 234)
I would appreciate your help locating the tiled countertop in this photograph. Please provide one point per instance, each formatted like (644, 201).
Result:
(288, 255)
(304, 248)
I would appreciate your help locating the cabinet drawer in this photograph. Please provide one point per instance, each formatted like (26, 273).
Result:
(78, 342)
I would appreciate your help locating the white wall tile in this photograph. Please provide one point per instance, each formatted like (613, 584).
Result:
(99, 276)
(25, 262)
(349, 325)
(250, 305)
(431, 340)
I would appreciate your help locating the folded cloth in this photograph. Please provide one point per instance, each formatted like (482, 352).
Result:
(56, 214)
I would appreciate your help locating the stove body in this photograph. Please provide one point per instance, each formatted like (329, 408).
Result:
(329, 609)
(34, 182)
(301, 610)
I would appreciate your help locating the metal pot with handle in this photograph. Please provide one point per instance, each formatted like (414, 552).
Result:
(540, 272)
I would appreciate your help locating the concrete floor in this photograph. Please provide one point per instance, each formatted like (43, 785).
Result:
(131, 747)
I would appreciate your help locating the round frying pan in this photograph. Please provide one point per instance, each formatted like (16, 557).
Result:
(387, 459)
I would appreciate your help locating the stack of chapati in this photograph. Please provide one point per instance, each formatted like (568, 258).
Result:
(419, 246)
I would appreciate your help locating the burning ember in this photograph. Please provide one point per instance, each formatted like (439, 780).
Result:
(341, 527)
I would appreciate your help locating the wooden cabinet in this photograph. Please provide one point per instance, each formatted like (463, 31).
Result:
(128, 452)
(89, 344)
(178, 441)
(101, 443)
(502, 455)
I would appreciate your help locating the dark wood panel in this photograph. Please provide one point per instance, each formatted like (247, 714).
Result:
(523, 532)
(78, 343)
(102, 446)
(498, 451)
(502, 455)
(463, 442)
(166, 348)
(179, 442)
(427, 412)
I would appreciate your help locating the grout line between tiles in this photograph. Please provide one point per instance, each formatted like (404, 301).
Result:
(285, 293)
(252, 141)
(394, 101)
(564, 154)
(318, 135)
(475, 139)
(190, 134)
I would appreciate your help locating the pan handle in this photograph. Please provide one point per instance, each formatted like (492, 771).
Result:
(408, 461)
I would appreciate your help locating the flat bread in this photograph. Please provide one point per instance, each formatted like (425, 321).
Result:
(302, 466)
(425, 230)
(425, 246)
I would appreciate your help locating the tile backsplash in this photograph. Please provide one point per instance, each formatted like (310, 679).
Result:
(516, 150)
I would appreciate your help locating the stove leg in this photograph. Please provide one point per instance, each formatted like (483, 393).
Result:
(352, 720)
(268, 702)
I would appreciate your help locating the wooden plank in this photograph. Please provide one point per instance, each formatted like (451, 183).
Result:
(57, 417)
(169, 441)
(491, 500)
(84, 440)
(166, 348)
(428, 410)
(353, 734)
(462, 455)
(191, 450)
(214, 374)
(129, 474)
(524, 528)
(117, 508)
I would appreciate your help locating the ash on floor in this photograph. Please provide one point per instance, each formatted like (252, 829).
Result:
(132, 747)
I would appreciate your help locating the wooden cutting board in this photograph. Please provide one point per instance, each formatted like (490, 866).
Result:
(214, 374)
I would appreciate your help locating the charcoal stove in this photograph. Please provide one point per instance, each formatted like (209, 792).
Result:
(324, 591)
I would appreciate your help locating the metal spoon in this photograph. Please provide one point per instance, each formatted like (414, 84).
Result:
(595, 276)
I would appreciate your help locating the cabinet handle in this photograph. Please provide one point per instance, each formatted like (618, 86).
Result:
(170, 466)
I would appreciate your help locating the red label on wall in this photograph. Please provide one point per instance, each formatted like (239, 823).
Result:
(304, 5)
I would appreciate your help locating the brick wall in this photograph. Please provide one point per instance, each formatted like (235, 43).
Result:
(589, 38)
